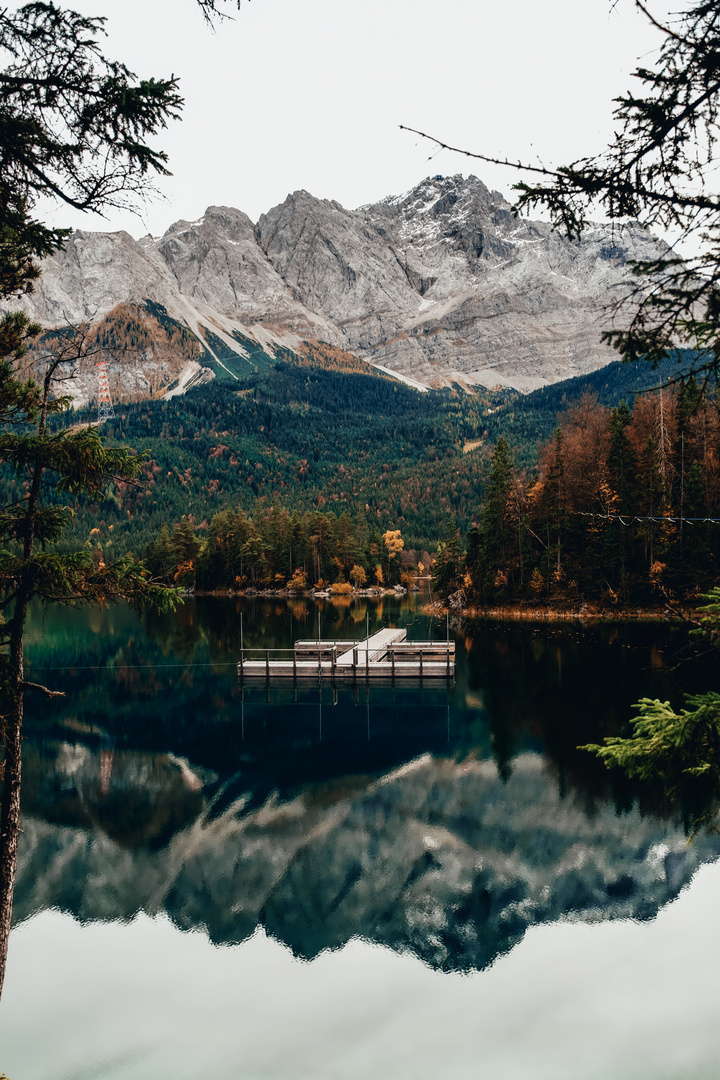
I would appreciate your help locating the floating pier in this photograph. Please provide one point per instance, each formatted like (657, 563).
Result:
(386, 654)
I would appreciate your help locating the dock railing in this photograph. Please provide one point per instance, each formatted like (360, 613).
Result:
(406, 659)
(264, 658)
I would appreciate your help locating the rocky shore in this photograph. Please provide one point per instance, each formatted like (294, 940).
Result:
(531, 611)
(375, 592)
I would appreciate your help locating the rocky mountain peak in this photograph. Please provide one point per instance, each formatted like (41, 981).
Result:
(443, 284)
(436, 194)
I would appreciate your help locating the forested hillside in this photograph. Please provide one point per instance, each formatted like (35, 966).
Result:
(528, 421)
(319, 455)
(300, 436)
(624, 508)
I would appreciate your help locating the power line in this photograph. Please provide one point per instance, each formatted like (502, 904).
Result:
(125, 667)
(625, 519)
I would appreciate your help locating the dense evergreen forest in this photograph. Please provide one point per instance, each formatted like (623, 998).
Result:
(527, 421)
(306, 463)
(301, 437)
(278, 549)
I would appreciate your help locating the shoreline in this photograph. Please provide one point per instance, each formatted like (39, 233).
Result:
(585, 613)
(306, 594)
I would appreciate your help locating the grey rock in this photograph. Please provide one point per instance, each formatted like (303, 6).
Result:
(441, 285)
(217, 261)
(93, 274)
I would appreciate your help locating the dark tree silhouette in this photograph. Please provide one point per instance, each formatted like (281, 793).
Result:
(75, 126)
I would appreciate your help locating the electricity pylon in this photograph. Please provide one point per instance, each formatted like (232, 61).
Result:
(105, 405)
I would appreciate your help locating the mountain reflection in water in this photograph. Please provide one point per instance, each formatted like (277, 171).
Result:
(442, 822)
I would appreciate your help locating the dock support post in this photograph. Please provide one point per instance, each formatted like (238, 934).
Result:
(448, 659)
(367, 659)
(392, 657)
(355, 662)
(421, 662)
(294, 664)
(267, 663)
(333, 661)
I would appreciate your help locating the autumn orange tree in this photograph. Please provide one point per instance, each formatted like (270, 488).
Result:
(623, 508)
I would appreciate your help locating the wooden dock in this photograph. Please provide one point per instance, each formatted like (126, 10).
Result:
(386, 655)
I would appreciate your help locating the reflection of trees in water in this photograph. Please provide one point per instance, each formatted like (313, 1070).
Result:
(178, 636)
(322, 835)
(556, 688)
(340, 602)
(517, 686)
(358, 612)
(208, 627)
(440, 858)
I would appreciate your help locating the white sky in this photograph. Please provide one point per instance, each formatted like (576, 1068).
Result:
(309, 93)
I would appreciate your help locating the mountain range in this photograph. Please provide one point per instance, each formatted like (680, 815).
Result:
(443, 285)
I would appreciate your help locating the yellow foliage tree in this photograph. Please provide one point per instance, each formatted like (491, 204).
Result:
(393, 542)
(298, 582)
(358, 576)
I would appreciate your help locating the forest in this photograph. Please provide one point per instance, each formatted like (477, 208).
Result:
(567, 495)
(280, 550)
(624, 509)
(307, 434)
(323, 432)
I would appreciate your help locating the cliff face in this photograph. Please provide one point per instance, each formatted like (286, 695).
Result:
(441, 858)
(443, 284)
(504, 299)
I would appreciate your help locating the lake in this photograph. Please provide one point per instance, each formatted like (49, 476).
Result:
(352, 883)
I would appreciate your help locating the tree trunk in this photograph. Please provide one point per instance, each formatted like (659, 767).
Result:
(10, 806)
(12, 732)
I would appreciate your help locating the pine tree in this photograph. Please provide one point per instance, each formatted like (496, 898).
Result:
(449, 561)
(496, 531)
(74, 128)
(552, 507)
(678, 750)
(70, 463)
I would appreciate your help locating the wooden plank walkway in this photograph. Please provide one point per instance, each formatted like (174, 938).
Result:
(284, 669)
(372, 649)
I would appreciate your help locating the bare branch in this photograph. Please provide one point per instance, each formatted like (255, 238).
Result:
(42, 690)
(483, 157)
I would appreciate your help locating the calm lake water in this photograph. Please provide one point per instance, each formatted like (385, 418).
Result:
(352, 884)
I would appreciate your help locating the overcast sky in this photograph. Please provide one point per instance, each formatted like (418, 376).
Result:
(310, 93)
